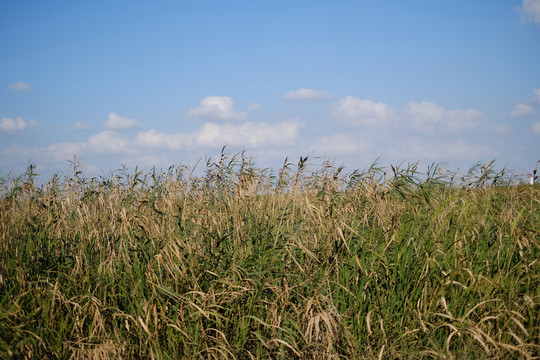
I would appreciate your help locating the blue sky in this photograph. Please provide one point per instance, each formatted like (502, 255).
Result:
(169, 82)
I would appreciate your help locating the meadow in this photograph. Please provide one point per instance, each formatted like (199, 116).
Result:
(300, 262)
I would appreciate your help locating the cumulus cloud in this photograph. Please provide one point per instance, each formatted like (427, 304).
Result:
(13, 126)
(81, 126)
(15, 151)
(531, 11)
(158, 140)
(307, 94)
(426, 116)
(536, 95)
(253, 106)
(340, 144)
(521, 110)
(17, 156)
(213, 135)
(64, 151)
(458, 120)
(20, 86)
(361, 112)
(249, 134)
(109, 142)
(218, 108)
(535, 127)
(116, 122)
(453, 149)
(501, 129)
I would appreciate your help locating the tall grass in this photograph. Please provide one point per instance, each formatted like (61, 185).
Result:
(248, 263)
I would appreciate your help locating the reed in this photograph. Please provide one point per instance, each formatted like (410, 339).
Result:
(249, 263)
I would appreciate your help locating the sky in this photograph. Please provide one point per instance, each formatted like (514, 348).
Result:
(154, 84)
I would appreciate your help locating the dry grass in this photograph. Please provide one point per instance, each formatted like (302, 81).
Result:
(248, 263)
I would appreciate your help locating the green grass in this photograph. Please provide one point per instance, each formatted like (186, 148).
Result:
(248, 263)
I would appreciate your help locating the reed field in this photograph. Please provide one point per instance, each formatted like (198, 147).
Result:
(300, 262)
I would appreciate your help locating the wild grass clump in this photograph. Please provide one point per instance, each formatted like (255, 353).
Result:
(248, 263)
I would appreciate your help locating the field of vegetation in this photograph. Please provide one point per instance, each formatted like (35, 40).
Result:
(248, 263)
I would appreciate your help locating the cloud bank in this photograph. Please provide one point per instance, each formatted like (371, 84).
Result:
(422, 131)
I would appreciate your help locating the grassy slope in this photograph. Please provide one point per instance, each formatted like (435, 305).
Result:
(245, 263)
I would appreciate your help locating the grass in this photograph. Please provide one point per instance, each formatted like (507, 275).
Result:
(248, 263)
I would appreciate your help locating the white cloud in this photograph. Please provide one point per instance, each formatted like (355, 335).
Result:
(531, 11)
(340, 144)
(252, 106)
(15, 151)
(217, 107)
(81, 126)
(361, 112)
(454, 149)
(459, 120)
(535, 127)
(64, 151)
(501, 129)
(157, 140)
(536, 95)
(116, 122)
(521, 110)
(50, 158)
(426, 116)
(307, 94)
(212, 135)
(20, 86)
(249, 134)
(109, 142)
(13, 126)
